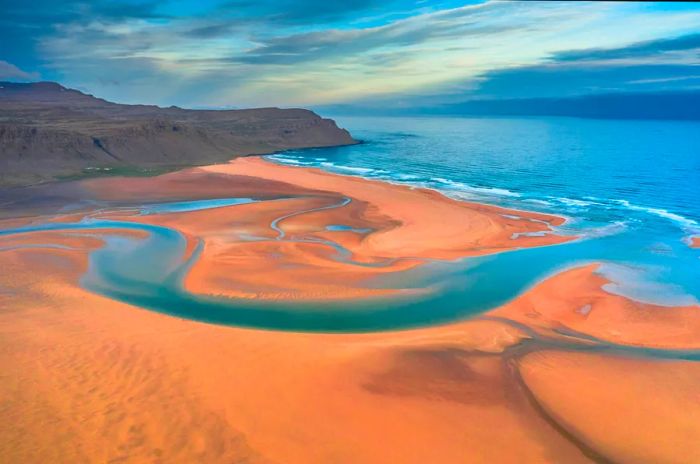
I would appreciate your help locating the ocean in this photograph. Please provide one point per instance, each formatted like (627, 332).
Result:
(631, 188)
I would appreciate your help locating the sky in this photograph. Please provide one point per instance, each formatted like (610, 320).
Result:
(245, 53)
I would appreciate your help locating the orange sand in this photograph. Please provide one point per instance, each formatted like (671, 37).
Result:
(580, 304)
(423, 223)
(408, 226)
(629, 410)
(88, 379)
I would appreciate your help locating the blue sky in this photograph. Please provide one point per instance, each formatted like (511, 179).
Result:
(237, 53)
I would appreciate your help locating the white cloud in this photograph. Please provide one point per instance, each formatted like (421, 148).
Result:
(271, 64)
(9, 71)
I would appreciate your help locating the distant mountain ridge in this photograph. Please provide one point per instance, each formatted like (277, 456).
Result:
(667, 105)
(662, 105)
(48, 131)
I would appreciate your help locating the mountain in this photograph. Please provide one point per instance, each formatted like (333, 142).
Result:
(48, 131)
(667, 105)
(663, 105)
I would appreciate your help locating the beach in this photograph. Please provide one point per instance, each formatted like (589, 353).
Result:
(88, 378)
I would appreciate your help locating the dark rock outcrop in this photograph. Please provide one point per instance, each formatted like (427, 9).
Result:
(48, 131)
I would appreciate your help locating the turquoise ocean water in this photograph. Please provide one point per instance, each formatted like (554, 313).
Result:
(631, 187)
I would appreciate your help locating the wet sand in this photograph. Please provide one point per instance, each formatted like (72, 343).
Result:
(541, 379)
(90, 379)
(650, 408)
(405, 228)
(422, 222)
(580, 305)
(394, 228)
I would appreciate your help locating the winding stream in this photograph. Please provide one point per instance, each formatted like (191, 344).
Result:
(149, 272)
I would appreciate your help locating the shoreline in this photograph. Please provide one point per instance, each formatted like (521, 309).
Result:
(561, 218)
(149, 171)
(372, 192)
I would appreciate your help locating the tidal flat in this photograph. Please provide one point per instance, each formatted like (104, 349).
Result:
(213, 314)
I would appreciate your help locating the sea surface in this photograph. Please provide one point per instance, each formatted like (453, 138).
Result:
(631, 188)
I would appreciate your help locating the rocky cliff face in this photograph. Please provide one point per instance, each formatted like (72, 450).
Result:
(48, 131)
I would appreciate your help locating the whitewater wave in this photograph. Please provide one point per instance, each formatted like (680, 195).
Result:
(287, 160)
(687, 224)
(537, 201)
(353, 169)
(406, 177)
(614, 228)
(452, 188)
(490, 191)
(464, 191)
(576, 202)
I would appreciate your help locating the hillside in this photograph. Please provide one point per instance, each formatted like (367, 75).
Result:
(48, 131)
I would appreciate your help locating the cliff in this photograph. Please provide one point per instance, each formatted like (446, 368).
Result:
(48, 131)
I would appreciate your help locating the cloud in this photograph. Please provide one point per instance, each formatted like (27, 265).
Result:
(654, 65)
(47, 12)
(658, 66)
(554, 80)
(446, 25)
(211, 30)
(641, 49)
(9, 71)
(23, 24)
(302, 52)
(292, 12)
(667, 79)
(664, 65)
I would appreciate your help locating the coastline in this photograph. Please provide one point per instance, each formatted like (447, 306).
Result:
(53, 132)
(151, 171)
